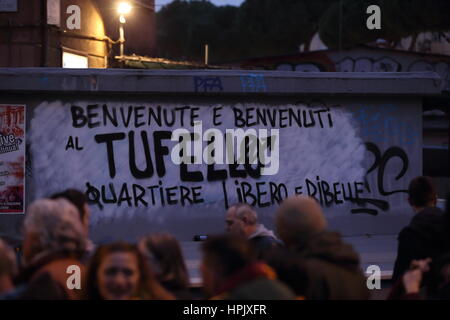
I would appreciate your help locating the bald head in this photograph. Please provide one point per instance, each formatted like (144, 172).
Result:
(241, 219)
(298, 218)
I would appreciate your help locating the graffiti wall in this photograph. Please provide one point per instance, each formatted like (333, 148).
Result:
(362, 59)
(171, 151)
(149, 166)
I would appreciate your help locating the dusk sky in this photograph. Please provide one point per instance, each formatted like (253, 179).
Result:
(160, 3)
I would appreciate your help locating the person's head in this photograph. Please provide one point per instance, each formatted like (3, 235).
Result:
(297, 219)
(422, 193)
(50, 226)
(163, 252)
(118, 271)
(79, 200)
(241, 219)
(222, 256)
(8, 267)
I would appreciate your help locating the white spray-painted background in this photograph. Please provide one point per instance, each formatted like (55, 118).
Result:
(334, 154)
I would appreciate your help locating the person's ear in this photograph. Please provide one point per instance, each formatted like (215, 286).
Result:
(245, 220)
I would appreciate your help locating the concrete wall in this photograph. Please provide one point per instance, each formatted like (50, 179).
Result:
(368, 141)
(369, 59)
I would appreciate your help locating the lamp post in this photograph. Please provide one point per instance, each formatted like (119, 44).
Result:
(123, 9)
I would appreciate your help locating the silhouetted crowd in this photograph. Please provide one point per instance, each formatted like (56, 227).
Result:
(302, 260)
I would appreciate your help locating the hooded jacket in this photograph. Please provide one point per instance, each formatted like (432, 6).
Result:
(263, 241)
(425, 236)
(332, 268)
(46, 278)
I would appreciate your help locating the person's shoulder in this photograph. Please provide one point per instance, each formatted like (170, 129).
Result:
(266, 239)
(405, 233)
(330, 247)
(60, 266)
(427, 221)
(318, 266)
(42, 287)
(59, 270)
(328, 280)
(428, 215)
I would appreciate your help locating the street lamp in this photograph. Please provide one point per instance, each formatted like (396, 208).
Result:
(123, 9)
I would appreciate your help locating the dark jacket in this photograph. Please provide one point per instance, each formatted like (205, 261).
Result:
(46, 278)
(425, 236)
(263, 241)
(332, 268)
(254, 282)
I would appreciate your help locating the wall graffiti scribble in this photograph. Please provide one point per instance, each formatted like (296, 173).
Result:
(380, 162)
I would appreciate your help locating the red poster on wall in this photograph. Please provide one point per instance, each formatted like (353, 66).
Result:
(12, 159)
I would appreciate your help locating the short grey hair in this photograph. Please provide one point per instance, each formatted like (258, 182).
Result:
(56, 224)
(246, 212)
(8, 262)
